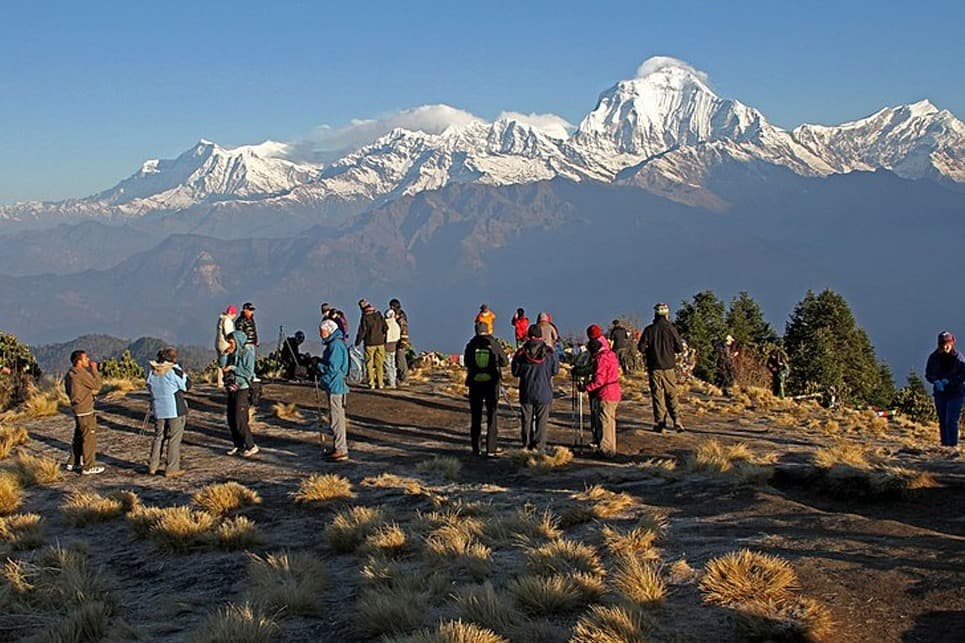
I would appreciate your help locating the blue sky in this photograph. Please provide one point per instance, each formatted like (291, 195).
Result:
(88, 90)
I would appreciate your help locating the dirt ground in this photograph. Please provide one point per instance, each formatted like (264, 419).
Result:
(888, 570)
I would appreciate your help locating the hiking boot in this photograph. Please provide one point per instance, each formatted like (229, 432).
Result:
(337, 456)
(492, 454)
(232, 451)
(658, 428)
(152, 471)
(678, 427)
(173, 473)
(247, 453)
(92, 470)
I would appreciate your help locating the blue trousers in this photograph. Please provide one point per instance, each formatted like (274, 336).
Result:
(949, 408)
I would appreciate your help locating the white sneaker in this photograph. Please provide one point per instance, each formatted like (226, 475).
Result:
(247, 453)
(93, 470)
(232, 451)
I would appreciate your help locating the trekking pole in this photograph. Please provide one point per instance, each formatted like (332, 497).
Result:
(147, 416)
(505, 394)
(318, 415)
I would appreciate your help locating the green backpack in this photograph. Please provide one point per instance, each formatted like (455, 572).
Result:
(482, 359)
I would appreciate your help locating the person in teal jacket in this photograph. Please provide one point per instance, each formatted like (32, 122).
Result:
(239, 371)
(332, 371)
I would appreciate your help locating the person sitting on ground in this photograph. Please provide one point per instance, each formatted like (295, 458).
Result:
(548, 329)
(241, 366)
(81, 384)
(520, 327)
(535, 365)
(604, 391)
(167, 382)
(660, 344)
(332, 371)
(945, 370)
(487, 317)
(371, 333)
(484, 359)
(292, 358)
(393, 335)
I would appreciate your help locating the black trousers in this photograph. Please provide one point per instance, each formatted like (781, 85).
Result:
(480, 395)
(534, 417)
(238, 419)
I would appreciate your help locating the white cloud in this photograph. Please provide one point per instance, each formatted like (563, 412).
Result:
(550, 124)
(326, 142)
(655, 64)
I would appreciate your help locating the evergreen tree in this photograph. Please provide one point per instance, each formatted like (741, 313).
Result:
(125, 368)
(913, 400)
(826, 348)
(701, 323)
(746, 323)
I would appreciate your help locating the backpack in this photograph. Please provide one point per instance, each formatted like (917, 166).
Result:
(482, 358)
(356, 361)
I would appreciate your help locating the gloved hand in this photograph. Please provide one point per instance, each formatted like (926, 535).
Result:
(939, 386)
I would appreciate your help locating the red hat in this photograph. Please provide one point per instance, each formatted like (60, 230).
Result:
(594, 332)
(231, 310)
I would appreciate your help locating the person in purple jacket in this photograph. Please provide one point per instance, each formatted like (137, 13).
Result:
(946, 372)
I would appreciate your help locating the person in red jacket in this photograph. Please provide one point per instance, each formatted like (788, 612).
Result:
(604, 391)
(521, 326)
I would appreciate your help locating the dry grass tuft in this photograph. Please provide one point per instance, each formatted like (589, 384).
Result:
(117, 387)
(445, 467)
(33, 470)
(288, 583)
(22, 531)
(391, 610)
(236, 623)
(237, 533)
(639, 580)
(564, 557)
(224, 497)
(288, 412)
(453, 545)
(877, 482)
(735, 461)
(349, 529)
(323, 488)
(796, 619)
(83, 508)
(596, 503)
(410, 486)
(179, 529)
(612, 624)
(681, 573)
(11, 493)
(55, 597)
(522, 525)
(640, 538)
(483, 605)
(10, 438)
(40, 404)
(746, 575)
(553, 595)
(452, 632)
(847, 453)
(143, 519)
(540, 462)
(389, 540)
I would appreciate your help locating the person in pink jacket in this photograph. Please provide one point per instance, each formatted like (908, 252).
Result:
(604, 391)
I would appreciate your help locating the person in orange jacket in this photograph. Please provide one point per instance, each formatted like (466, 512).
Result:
(487, 317)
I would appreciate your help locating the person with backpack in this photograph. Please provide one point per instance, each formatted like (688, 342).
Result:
(332, 371)
(604, 391)
(239, 375)
(484, 359)
(167, 383)
(520, 327)
(392, 338)
(535, 365)
(371, 333)
(226, 326)
(660, 344)
(945, 370)
(401, 357)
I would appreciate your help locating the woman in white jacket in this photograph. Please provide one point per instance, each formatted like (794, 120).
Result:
(392, 337)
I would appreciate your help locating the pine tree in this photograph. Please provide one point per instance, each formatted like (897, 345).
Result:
(746, 323)
(701, 323)
(826, 348)
(913, 400)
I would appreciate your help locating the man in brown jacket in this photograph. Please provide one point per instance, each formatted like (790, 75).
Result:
(81, 385)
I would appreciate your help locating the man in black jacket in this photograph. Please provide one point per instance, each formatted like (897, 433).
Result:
(660, 343)
(372, 332)
(535, 364)
(483, 358)
(619, 338)
(246, 323)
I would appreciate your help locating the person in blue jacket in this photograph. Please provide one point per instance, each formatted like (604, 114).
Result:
(239, 372)
(946, 372)
(167, 382)
(332, 371)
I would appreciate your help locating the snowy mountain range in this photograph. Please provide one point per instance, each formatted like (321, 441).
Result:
(665, 131)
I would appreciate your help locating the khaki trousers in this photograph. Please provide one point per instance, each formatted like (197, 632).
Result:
(663, 394)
